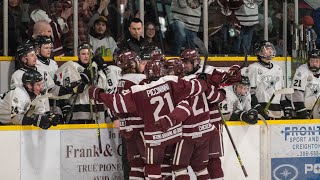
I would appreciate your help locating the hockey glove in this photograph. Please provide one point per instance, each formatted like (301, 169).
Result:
(202, 76)
(55, 119)
(100, 62)
(233, 75)
(288, 112)
(163, 124)
(94, 92)
(42, 121)
(250, 117)
(260, 110)
(85, 76)
(302, 114)
(216, 77)
(66, 113)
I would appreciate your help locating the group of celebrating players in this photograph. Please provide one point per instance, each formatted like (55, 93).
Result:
(169, 111)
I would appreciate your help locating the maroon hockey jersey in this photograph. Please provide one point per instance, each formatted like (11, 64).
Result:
(130, 123)
(197, 125)
(214, 96)
(164, 97)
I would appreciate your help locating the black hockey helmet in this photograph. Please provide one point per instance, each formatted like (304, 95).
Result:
(244, 80)
(31, 76)
(261, 48)
(245, 83)
(85, 45)
(23, 49)
(154, 70)
(313, 54)
(40, 40)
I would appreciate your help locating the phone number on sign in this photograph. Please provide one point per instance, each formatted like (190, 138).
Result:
(309, 153)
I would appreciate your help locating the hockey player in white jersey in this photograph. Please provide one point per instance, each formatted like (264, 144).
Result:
(46, 66)
(237, 105)
(81, 113)
(306, 84)
(265, 78)
(26, 59)
(23, 104)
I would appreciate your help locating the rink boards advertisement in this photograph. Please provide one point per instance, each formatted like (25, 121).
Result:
(295, 152)
(81, 158)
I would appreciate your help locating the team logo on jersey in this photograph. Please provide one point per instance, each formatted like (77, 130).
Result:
(16, 100)
(299, 74)
(260, 71)
(271, 81)
(26, 107)
(79, 69)
(314, 89)
(309, 79)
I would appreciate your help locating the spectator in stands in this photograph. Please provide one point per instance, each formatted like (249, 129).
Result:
(86, 10)
(15, 29)
(276, 35)
(135, 40)
(39, 10)
(185, 25)
(151, 35)
(316, 26)
(248, 17)
(41, 28)
(224, 27)
(99, 37)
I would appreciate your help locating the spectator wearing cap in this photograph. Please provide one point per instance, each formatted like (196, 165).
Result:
(86, 11)
(99, 36)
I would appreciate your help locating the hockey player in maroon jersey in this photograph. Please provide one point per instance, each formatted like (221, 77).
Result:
(214, 95)
(131, 125)
(155, 103)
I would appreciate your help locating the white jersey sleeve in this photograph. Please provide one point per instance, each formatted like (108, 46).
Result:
(306, 85)
(109, 78)
(13, 105)
(16, 79)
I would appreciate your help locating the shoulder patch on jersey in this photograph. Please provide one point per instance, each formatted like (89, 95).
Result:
(260, 71)
(309, 79)
(299, 74)
(25, 108)
(79, 69)
(16, 100)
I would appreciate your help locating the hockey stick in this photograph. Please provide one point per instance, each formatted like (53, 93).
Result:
(95, 103)
(314, 105)
(70, 114)
(233, 144)
(197, 41)
(277, 92)
(263, 120)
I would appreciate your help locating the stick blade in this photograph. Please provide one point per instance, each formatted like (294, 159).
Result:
(284, 91)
